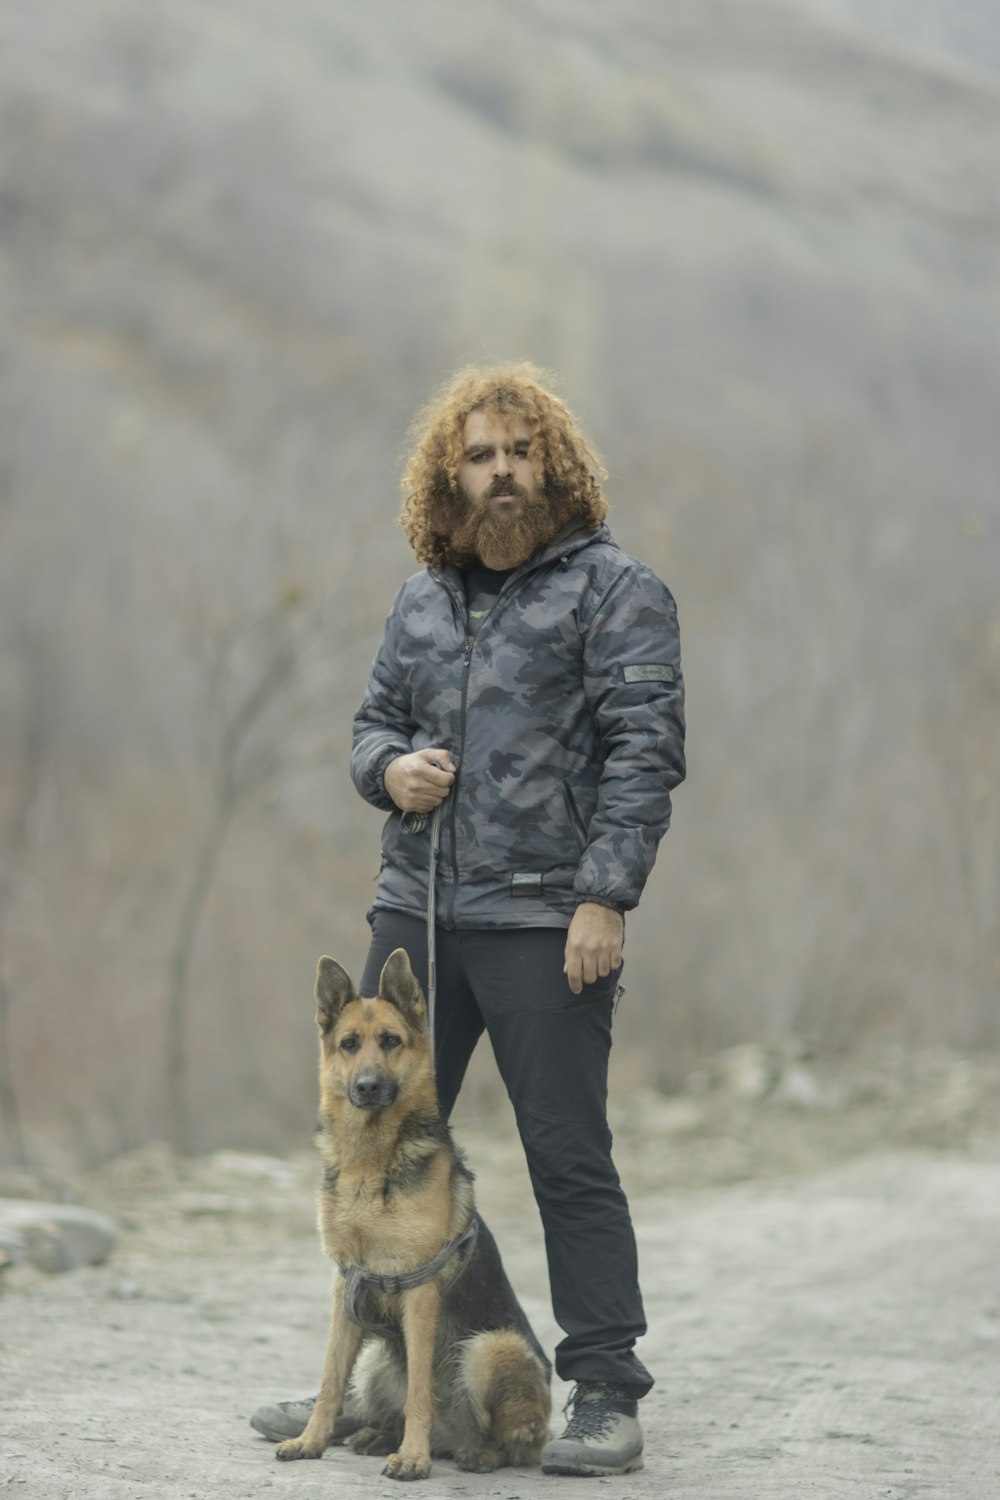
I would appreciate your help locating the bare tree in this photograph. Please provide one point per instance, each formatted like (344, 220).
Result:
(27, 763)
(252, 672)
(270, 689)
(965, 735)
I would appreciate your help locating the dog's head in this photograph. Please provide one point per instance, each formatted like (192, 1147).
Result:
(372, 1050)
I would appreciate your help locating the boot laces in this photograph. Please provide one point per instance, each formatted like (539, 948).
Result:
(593, 1411)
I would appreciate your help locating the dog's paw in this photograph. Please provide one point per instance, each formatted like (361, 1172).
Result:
(297, 1448)
(399, 1466)
(345, 1427)
(375, 1442)
(478, 1460)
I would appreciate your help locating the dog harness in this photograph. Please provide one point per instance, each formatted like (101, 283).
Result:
(360, 1281)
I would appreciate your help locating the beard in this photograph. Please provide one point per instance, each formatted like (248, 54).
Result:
(500, 539)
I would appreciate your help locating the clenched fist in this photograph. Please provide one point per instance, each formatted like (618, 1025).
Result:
(420, 781)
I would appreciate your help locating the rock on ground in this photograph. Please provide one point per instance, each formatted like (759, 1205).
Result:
(54, 1236)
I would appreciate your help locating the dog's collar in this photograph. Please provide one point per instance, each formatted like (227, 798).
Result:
(361, 1281)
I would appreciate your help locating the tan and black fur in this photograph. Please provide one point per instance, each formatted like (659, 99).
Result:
(450, 1367)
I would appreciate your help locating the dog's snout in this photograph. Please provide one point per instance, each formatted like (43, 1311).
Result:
(372, 1089)
(367, 1085)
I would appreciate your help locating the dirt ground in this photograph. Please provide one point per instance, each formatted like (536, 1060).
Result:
(820, 1255)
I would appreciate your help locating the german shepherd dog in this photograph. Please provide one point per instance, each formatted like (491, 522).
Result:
(451, 1366)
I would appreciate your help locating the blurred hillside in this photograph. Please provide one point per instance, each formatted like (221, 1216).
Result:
(759, 240)
(965, 29)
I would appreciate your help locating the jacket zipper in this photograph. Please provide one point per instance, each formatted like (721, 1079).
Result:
(470, 646)
(452, 820)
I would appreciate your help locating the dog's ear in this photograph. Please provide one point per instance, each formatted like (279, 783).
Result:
(398, 985)
(334, 988)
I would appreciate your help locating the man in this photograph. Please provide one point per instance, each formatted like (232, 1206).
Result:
(528, 684)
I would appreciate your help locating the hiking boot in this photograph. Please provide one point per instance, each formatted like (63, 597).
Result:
(285, 1419)
(602, 1436)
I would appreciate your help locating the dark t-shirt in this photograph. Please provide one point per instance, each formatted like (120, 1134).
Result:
(482, 585)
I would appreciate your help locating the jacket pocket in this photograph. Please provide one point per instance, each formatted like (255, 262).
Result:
(576, 822)
(406, 841)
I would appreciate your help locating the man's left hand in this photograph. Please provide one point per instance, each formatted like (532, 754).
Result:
(593, 945)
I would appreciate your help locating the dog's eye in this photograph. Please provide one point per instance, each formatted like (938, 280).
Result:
(349, 1044)
(389, 1042)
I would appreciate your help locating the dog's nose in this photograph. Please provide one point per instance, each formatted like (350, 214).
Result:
(368, 1089)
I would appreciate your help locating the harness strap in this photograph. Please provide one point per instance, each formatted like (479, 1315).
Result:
(360, 1282)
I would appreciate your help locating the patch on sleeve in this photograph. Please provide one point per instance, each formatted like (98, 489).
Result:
(650, 671)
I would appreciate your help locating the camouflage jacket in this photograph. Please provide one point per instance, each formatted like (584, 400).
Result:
(565, 718)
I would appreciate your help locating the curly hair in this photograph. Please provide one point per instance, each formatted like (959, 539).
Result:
(432, 502)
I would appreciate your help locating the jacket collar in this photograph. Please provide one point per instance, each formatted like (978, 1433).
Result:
(571, 539)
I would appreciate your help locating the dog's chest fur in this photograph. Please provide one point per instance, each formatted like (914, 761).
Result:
(385, 1209)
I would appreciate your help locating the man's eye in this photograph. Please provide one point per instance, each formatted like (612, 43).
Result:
(521, 450)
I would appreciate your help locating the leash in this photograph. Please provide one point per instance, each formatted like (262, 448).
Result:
(360, 1282)
(432, 925)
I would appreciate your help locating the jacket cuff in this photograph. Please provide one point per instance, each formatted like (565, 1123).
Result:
(368, 775)
(604, 901)
(382, 764)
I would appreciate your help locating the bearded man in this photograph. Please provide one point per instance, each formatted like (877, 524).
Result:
(529, 685)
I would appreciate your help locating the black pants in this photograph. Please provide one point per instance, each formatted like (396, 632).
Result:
(552, 1049)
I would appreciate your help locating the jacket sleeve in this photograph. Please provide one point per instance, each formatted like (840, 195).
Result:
(633, 683)
(383, 725)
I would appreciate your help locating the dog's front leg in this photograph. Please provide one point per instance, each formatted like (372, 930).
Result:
(341, 1352)
(420, 1318)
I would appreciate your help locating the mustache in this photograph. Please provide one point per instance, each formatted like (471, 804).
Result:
(505, 484)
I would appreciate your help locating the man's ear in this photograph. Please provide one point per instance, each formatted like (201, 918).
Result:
(398, 985)
(334, 989)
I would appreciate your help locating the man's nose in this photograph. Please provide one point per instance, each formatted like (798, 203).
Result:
(501, 462)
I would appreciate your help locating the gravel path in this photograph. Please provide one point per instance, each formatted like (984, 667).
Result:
(832, 1333)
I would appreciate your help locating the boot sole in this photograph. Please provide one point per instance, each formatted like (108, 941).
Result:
(277, 1432)
(592, 1471)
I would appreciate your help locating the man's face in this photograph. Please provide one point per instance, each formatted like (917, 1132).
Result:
(495, 471)
(507, 516)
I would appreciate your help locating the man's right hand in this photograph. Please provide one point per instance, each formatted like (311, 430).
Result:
(420, 781)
